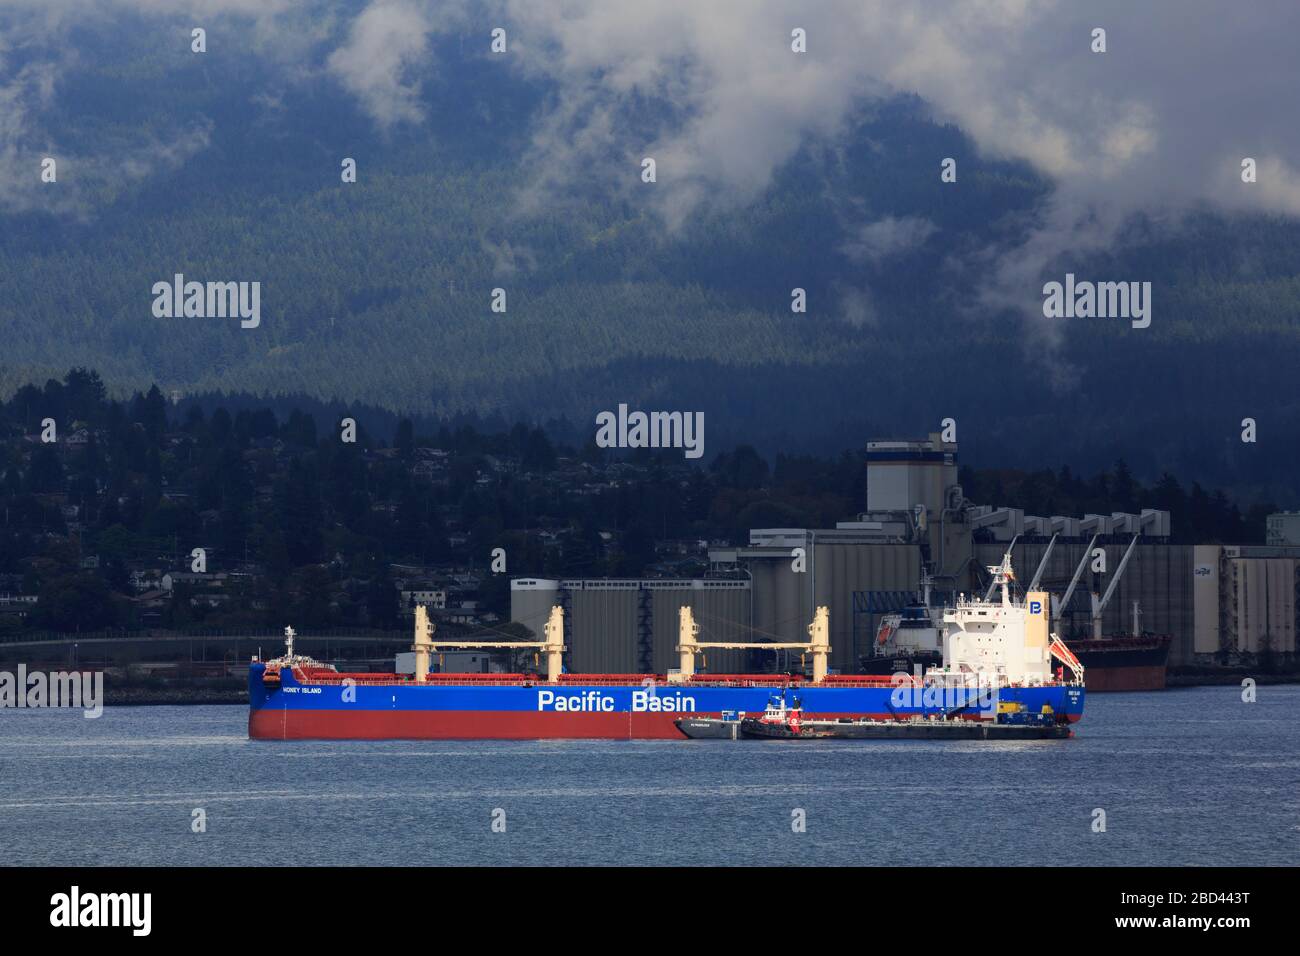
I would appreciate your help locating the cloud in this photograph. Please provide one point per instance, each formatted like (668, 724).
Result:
(385, 46)
(1185, 90)
(83, 179)
(855, 306)
(507, 259)
(156, 153)
(23, 93)
(731, 101)
(36, 51)
(1157, 125)
(876, 241)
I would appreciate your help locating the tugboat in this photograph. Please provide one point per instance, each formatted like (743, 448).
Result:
(779, 722)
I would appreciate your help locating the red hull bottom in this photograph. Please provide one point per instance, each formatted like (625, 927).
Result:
(271, 724)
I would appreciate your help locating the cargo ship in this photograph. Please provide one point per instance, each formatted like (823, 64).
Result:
(1125, 663)
(999, 651)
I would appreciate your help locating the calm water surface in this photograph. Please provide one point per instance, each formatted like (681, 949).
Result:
(1185, 777)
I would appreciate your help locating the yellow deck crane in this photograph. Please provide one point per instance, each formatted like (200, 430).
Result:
(552, 647)
(688, 644)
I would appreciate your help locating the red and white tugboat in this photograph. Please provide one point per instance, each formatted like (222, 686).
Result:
(779, 721)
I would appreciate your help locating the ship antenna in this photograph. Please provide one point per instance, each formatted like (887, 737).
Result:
(1002, 577)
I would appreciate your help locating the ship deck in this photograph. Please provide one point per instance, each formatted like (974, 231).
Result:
(315, 676)
(775, 681)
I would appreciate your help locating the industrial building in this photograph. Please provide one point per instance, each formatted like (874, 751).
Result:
(1109, 574)
(1245, 601)
(1283, 530)
(793, 571)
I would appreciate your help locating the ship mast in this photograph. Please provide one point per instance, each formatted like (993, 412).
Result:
(1002, 578)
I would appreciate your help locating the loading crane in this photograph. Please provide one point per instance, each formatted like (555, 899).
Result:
(1059, 608)
(688, 644)
(1098, 606)
(1033, 585)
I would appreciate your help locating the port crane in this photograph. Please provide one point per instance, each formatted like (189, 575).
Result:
(1058, 608)
(1033, 584)
(1042, 564)
(1098, 606)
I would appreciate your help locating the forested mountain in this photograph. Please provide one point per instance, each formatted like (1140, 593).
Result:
(379, 291)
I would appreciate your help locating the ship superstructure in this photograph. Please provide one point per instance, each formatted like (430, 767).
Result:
(1004, 641)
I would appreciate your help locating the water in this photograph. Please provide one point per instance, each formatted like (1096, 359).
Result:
(1185, 777)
